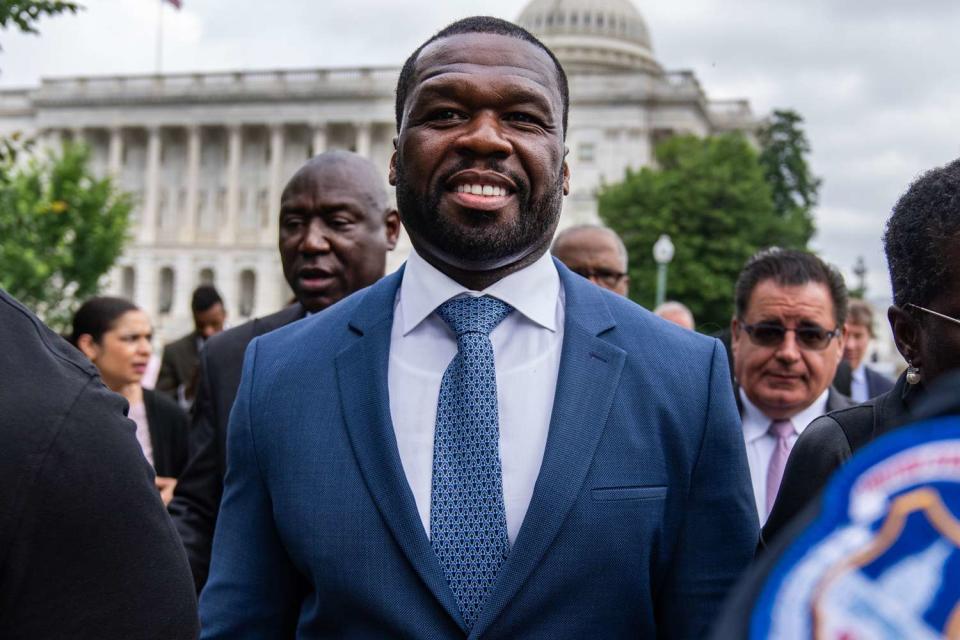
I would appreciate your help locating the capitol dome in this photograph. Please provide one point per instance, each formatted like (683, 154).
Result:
(592, 35)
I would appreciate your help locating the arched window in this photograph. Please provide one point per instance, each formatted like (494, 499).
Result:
(248, 292)
(165, 298)
(128, 282)
(208, 276)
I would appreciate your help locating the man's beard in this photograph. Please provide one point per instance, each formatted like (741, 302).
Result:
(488, 244)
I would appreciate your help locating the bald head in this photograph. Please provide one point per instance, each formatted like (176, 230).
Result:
(336, 226)
(344, 165)
(677, 313)
(596, 253)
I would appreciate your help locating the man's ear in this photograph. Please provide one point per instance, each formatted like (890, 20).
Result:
(391, 223)
(566, 178)
(89, 348)
(392, 176)
(841, 339)
(906, 334)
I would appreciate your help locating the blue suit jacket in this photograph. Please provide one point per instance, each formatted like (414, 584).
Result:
(641, 519)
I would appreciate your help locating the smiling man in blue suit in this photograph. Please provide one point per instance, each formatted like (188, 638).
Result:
(483, 444)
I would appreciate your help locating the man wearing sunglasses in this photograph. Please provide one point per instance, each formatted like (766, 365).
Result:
(787, 340)
(596, 253)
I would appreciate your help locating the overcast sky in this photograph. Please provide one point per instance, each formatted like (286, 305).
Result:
(878, 82)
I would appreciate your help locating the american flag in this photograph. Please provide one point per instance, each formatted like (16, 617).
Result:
(176, 3)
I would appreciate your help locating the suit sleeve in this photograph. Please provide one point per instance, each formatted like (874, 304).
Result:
(719, 534)
(252, 591)
(96, 555)
(197, 496)
(818, 452)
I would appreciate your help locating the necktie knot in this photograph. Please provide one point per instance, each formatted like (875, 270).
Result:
(468, 314)
(782, 429)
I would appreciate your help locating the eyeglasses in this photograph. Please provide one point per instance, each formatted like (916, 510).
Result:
(933, 313)
(607, 277)
(769, 334)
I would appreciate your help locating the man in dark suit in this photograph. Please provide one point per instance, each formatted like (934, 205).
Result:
(482, 444)
(336, 226)
(86, 549)
(861, 383)
(787, 340)
(178, 368)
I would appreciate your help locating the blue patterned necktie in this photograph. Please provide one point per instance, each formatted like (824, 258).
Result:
(468, 523)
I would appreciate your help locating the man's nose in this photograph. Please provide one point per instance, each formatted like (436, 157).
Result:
(315, 238)
(789, 349)
(484, 136)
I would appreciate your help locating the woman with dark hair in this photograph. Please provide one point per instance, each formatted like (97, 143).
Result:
(922, 245)
(115, 335)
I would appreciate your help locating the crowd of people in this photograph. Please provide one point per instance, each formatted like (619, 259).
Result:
(492, 441)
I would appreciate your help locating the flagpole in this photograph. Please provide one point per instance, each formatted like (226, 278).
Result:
(160, 38)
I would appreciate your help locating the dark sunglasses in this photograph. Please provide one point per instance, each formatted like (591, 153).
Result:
(607, 277)
(770, 334)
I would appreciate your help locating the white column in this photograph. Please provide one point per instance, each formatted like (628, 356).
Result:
(78, 136)
(188, 230)
(364, 135)
(115, 152)
(273, 196)
(183, 286)
(228, 233)
(145, 288)
(319, 138)
(228, 285)
(148, 221)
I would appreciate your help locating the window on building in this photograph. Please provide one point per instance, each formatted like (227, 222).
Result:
(248, 292)
(128, 282)
(208, 277)
(165, 297)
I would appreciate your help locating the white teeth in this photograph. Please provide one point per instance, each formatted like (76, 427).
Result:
(481, 190)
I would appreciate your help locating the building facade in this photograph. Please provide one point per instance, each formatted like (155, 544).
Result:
(207, 154)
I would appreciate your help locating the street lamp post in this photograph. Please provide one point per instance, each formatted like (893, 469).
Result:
(662, 254)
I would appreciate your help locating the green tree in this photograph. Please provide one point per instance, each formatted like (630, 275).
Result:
(24, 14)
(784, 150)
(61, 229)
(710, 196)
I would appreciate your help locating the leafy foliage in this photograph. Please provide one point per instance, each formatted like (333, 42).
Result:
(710, 196)
(784, 150)
(24, 14)
(61, 228)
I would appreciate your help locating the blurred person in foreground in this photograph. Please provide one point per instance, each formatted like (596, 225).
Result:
(178, 369)
(677, 313)
(922, 247)
(862, 382)
(597, 253)
(336, 227)
(414, 462)
(116, 336)
(787, 340)
(86, 548)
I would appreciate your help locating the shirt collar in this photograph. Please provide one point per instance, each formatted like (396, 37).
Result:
(756, 423)
(860, 373)
(533, 291)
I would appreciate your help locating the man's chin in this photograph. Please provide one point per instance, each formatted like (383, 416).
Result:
(314, 301)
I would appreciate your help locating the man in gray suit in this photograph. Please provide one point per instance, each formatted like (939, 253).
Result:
(336, 226)
(787, 340)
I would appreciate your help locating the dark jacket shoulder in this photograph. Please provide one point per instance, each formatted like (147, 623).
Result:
(169, 427)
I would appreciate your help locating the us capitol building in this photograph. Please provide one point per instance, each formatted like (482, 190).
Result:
(207, 154)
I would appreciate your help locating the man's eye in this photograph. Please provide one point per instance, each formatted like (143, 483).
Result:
(291, 223)
(441, 115)
(526, 118)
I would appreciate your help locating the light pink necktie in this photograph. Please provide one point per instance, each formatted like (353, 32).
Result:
(781, 430)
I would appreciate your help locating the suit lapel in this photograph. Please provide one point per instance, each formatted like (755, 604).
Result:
(589, 374)
(362, 380)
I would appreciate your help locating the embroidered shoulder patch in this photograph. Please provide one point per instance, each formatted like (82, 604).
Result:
(882, 560)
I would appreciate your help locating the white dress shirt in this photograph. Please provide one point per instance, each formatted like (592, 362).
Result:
(859, 391)
(526, 352)
(760, 443)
